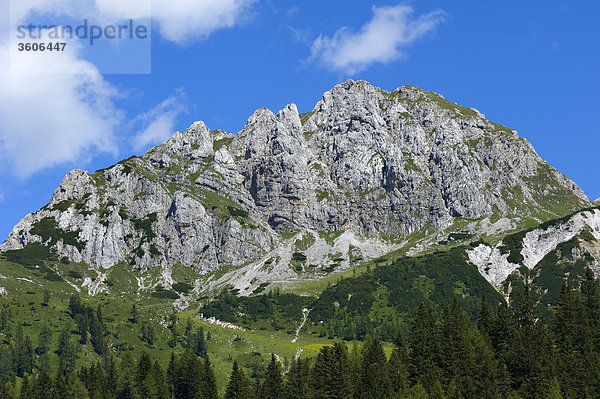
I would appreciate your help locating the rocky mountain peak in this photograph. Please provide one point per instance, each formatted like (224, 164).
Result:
(370, 167)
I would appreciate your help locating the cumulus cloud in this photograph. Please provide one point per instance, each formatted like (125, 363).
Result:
(180, 21)
(381, 40)
(159, 122)
(184, 20)
(54, 108)
(57, 108)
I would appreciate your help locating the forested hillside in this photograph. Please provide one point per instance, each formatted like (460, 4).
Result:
(509, 352)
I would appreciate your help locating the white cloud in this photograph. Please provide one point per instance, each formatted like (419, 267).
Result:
(184, 20)
(380, 40)
(180, 21)
(54, 108)
(159, 122)
(57, 107)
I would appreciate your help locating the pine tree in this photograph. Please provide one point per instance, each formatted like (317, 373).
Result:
(485, 321)
(331, 373)
(503, 331)
(172, 375)
(239, 386)
(111, 377)
(99, 385)
(161, 382)
(199, 343)
(455, 353)
(297, 380)
(75, 388)
(272, 387)
(354, 367)
(82, 322)
(188, 378)
(133, 314)
(67, 353)
(486, 374)
(7, 373)
(24, 356)
(375, 380)
(60, 386)
(554, 392)
(127, 371)
(437, 392)
(209, 381)
(398, 367)
(419, 392)
(530, 359)
(44, 339)
(75, 306)
(425, 348)
(589, 290)
(144, 367)
(519, 357)
(63, 339)
(189, 338)
(575, 335)
(96, 332)
(27, 390)
(45, 387)
(148, 387)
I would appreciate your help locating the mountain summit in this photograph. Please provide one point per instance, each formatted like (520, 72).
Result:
(365, 172)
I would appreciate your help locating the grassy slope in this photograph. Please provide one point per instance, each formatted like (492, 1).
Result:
(25, 296)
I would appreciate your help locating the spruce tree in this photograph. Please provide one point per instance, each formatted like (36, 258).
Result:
(375, 381)
(398, 367)
(189, 376)
(75, 388)
(297, 380)
(456, 350)
(437, 392)
(27, 389)
(144, 367)
(148, 387)
(127, 372)
(209, 381)
(418, 392)
(272, 387)
(161, 381)
(67, 353)
(425, 347)
(44, 339)
(199, 343)
(575, 340)
(485, 321)
(239, 386)
(486, 373)
(331, 373)
(7, 373)
(171, 374)
(45, 387)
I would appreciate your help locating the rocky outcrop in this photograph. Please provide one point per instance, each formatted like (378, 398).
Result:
(364, 161)
(534, 245)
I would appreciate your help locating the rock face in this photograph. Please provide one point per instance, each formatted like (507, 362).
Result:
(533, 246)
(365, 161)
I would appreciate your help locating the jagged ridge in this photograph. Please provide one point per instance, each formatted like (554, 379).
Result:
(376, 165)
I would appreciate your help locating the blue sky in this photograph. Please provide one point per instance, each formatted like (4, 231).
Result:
(532, 66)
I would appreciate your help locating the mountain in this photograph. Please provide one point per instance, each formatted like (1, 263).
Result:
(296, 197)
